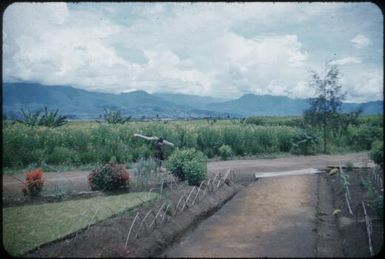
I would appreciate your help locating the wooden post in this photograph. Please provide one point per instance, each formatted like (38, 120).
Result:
(347, 202)
(197, 192)
(156, 215)
(188, 197)
(141, 223)
(161, 187)
(129, 232)
(177, 205)
(165, 213)
(368, 223)
(206, 187)
(214, 181)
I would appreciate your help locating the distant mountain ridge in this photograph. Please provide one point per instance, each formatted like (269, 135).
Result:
(82, 104)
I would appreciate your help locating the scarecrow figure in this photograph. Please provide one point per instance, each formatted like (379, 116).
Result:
(158, 146)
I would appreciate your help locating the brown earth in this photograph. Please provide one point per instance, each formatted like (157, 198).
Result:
(75, 181)
(272, 217)
(287, 216)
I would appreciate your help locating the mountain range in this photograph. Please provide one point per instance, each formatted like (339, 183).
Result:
(82, 104)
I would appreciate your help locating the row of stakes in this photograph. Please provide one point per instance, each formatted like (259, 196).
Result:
(368, 222)
(187, 200)
(210, 185)
(377, 179)
(347, 192)
(378, 183)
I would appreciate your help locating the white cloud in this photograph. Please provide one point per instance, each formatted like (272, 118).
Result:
(360, 41)
(346, 61)
(187, 48)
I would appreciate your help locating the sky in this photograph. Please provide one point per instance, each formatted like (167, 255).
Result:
(221, 50)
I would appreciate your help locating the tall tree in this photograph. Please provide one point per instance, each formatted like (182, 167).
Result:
(324, 108)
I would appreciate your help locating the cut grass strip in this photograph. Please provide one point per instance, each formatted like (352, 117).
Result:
(28, 227)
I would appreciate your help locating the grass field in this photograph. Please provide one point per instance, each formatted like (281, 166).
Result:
(28, 227)
(87, 143)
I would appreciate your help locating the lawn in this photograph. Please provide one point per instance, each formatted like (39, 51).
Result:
(28, 227)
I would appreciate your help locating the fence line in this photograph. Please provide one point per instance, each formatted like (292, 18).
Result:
(347, 192)
(368, 229)
(193, 195)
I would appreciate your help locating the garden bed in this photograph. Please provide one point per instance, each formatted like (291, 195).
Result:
(352, 223)
(108, 238)
(27, 227)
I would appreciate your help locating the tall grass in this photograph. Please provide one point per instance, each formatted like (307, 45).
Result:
(80, 143)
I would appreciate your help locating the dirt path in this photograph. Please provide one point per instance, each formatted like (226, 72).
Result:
(272, 217)
(245, 169)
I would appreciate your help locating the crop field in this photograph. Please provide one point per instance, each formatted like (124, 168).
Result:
(80, 143)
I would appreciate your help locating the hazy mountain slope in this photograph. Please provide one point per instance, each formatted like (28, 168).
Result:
(83, 104)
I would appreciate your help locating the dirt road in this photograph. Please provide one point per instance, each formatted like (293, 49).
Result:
(244, 169)
(288, 216)
(272, 217)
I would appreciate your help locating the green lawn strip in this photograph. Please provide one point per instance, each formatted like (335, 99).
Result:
(28, 227)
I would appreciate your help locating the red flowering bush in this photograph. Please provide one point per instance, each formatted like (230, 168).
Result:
(109, 177)
(34, 182)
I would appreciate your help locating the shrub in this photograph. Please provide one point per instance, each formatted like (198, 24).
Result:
(225, 152)
(304, 142)
(188, 164)
(349, 166)
(34, 183)
(145, 171)
(195, 170)
(61, 155)
(363, 136)
(377, 153)
(109, 177)
(112, 117)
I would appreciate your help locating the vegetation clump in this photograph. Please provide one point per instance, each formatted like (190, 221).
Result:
(188, 164)
(377, 153)
(304, 142)
(110, 177)
(48, 119)
(34, 183)
(112, 117)
(225, 151)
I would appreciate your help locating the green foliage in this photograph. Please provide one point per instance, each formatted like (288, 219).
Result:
(188, 164)
(112, 117)
(80, 143)
(323, 111)
(30, 118)
(349, 166)
(145, 171)
(62, 155)
(52, 119)
(225, 152)
(48, 119)
(169, 208)
(304, 142)
(363, 136)
(290, 121)
(109, 177)
(375, 198)
(377, 153)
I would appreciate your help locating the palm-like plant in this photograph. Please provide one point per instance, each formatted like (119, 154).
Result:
(52, 119)
(48, 119)
(30, 118)
(114, 117)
